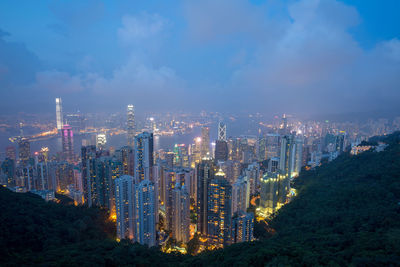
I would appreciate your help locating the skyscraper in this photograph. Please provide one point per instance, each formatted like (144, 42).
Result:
(130, 125)
(240, 195)
(24, 151)
(242, 227)
(125, 207)
(143, 156)
(59, 114)
(221, 131)
(204, 173)
(221, 151)
(180, 213)
(88, 158)
(67, 143)
(205, 142)
(269, 194)
(145, 222)
(10, 153)
(219, 211)
(101, 141)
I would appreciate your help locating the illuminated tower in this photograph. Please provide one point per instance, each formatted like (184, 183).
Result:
(59, 114)
(101, 141)
(243, 227)
(219, 210)
(205, 142)
(67, 143)
(143, 156)
(24, 151)
(204, 173)
(130, 125)
(222, 131)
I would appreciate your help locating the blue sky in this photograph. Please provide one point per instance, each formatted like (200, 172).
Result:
(306, 56)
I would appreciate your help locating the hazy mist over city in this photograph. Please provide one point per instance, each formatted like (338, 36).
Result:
(306, 57)
(200, 133)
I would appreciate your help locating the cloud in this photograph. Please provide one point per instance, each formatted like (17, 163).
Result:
(59, 82)
(138, 28)
(318, 66)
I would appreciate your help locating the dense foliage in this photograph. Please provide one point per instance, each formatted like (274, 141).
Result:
(347, 212)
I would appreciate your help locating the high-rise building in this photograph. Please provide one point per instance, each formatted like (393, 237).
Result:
(24, 151)
(88, 156)
(126, 157)
(240, 195)
(59, 114)
(269, 196)
(125, 207)
(204, 173)
(242, 227)
(205, 142)
(130, 125)
(181, 155)
(180, 213)
(101, 141)
(145, 208)
(67, 143)
(221, 151)
(219, 211)
(11, 153)
(143, 156)
(222, 131)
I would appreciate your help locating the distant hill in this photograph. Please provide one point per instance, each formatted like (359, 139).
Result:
(347, 213)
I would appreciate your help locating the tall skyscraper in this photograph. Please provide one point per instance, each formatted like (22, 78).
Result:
(24, 151)
(221, 151)
(145, 208)
(180, 213)
(67, 143)
(88, 157)
(240, 195)
(219, 211)
(101, 141)
(130, 125)
(221, 131)
(269, 195)
(181, 155)
(143, 156)
(205, 142)
(204, 173)
(125, 207)
(59, 114)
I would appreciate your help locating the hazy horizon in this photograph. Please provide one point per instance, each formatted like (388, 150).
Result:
(306, 57)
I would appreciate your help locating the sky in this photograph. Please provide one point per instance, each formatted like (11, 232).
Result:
(269, 56)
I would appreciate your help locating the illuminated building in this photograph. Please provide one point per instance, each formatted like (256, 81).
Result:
(205, 142)
(273, 145)
(269, 195)
(130, 125)
(196, 151)
(180, 213)
(181, 155)
(145, 208)
(126, 157)
(252, 174)
(242, 227)
(42, 176)
(101, 141)
(340, 142)
(204, 173)
(59, 114)
(240, 195)
(219, 212)
(143, 156)
(125, 207)
(8, 168)
(24, 151)
(221, 131)
(88, 156)
(64, 176)
(67, 143)
(262, 148)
